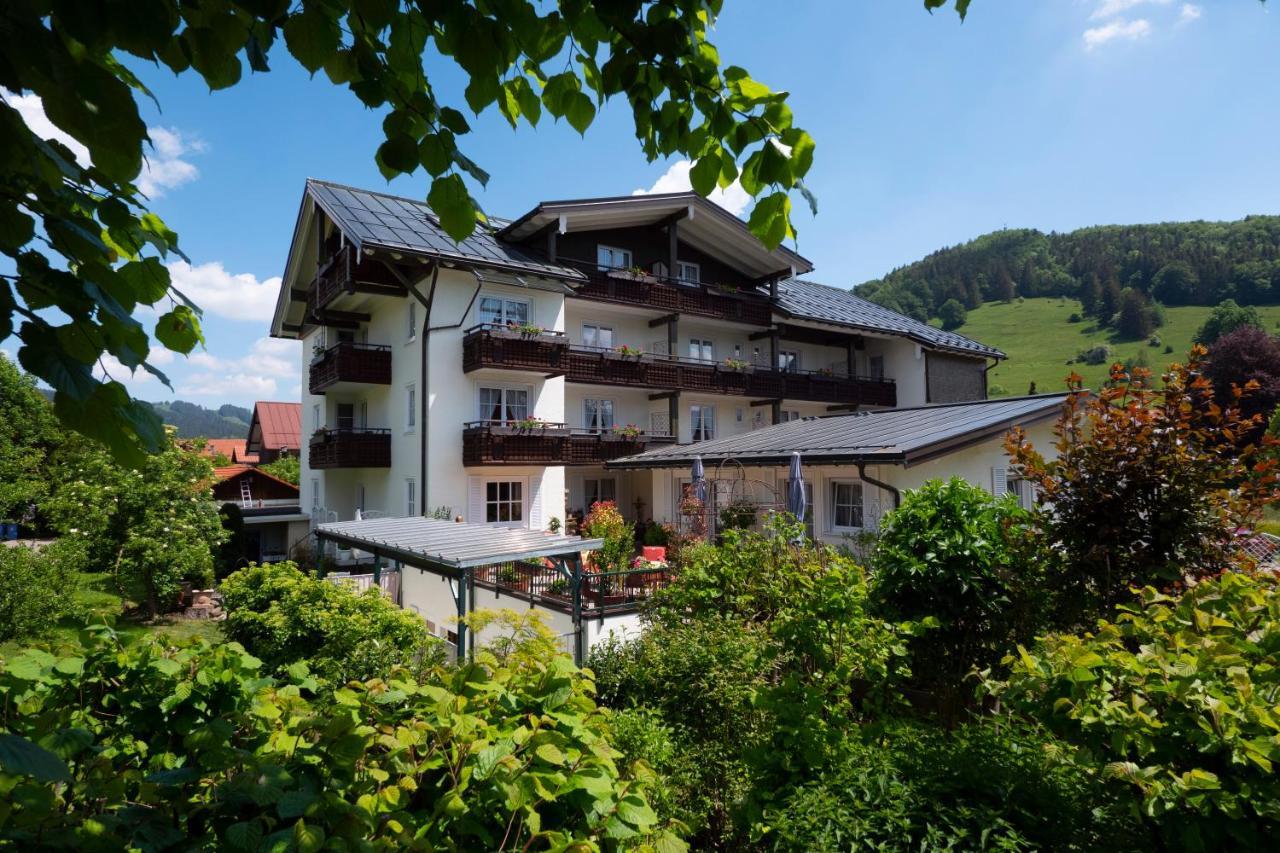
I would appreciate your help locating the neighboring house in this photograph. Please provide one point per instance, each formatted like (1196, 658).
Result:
(272, 514)
(232, 449)
(504, 378)
(275, 430)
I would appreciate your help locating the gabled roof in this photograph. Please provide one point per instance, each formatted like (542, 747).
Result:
(234, 472)
(374, 219)
(904, 437)
(232, 448)
(809, 300)
(275, 426)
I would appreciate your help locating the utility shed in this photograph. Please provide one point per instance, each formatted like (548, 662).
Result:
(463, 552)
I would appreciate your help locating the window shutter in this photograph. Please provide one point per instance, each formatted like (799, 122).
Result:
(475, 500)
(999, 481)
(536, 521)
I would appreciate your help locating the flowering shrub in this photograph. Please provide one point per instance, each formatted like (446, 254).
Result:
(605, 521)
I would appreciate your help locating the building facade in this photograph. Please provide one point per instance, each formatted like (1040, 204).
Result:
(498, 379)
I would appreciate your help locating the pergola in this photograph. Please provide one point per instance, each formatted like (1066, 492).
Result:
(453, 550)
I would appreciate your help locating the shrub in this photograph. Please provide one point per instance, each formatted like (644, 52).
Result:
(1094, 355)
(738, 515)
(952, 314)
(287, 468)
(1245, 355)
(1143, 490)
(152, 746)
(605, 521)
(1075, 318)
(921, 788)
(36, 590)
(1173, 704)
(958, 557)
(657, 535)
(1226, 317)
(283, 616)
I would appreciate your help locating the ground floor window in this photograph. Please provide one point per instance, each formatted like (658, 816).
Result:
(602, 489)
(504, 502)
(846, 505)
(410, 498)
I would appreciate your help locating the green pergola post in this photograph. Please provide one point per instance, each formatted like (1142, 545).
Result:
(377, 570)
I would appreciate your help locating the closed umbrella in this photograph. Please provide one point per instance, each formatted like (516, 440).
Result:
(795, 489)
(699, 484)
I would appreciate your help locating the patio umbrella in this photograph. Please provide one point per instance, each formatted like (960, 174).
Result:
(698, 486)
(795, 489)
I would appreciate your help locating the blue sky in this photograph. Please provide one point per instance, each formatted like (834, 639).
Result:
(1051, 114)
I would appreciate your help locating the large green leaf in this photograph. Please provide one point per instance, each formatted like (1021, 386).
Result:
(311, 36)
(451, 202)
(21, 756)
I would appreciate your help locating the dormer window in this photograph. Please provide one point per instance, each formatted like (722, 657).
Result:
(688, 273)
(612, 258)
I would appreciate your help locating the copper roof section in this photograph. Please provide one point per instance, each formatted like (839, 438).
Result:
(275, 427)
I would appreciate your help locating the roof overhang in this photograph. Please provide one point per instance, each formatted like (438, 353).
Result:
(703, 224)
(807, 321)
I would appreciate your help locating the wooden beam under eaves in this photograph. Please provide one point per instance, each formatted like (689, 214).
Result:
(665, 395)
(758, 403)
(663, 320)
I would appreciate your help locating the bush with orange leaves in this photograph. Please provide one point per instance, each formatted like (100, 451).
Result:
(1151, 486)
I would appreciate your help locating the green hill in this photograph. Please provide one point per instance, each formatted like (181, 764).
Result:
(193, 420)
(1039, 339)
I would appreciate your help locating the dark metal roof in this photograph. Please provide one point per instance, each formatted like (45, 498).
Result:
(391, 222)
(451, 545)
(891, 436)
(809, 300)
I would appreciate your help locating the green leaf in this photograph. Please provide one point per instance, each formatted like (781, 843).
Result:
(580, 111)
(550, 753)
(179, 330)
(147, 280)
(768, 220)
(166, 666)
(636, 812)
(308, 839)
(21, 756)
(705, 174)
(312, 37)
(246, 835)
(451, 202)
(399, 152)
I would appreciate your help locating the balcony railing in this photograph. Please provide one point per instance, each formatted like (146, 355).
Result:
(351, 448)
(347, 272)
(497, 443)
(347, 361)
(602, 594)
(510, 347)
(550, 353)
(675, 296)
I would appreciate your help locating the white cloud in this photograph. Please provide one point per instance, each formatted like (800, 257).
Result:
(1190, 12)
(110, 367)
(216, 291)
(1111, 8)
(251, 376)
(1118, 29)
(163, 166)
(732, 198)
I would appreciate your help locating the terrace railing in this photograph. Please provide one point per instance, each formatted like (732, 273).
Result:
(504, 443)
(603, 594)
(347, 361)
(350, 448)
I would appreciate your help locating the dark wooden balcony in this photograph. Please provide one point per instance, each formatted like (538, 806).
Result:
(490, 443)
(510, 348)
(347, 272)
(351, 362)
(350, 448)
(670, 296)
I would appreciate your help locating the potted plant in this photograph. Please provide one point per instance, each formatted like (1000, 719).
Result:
(553, 524)
(624, 351)
(630, 432)
(529, 423)
(739, 515)
(737, 364)
(525, 330)
(559, 588)
(656, 537)
(510, 576)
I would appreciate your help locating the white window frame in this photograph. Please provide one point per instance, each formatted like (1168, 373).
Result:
(411, 407)
(698, 423)
(875, 366)
(315, 493)
(596, 485)
(788, 415)
(337, 416)
(505, 388)
(592, 338)
(360, 496)
(523, 483)
(411, 328)
(507, 302)
(683, 268)
(788, 359)
(410, 497)
(703, 346)
(628, 258)
(586, 414)
(317, 421)
(833, 526)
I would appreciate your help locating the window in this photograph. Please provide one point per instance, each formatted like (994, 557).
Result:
(597, 336)
(598, 414)
(875, 366)
(608, 257)
(788, 415)
(788, 360)
(701, 349)
(596, 490)
(499, 311)
(315, 493)
(411, 332)
(346, 415)
(504, 502)
(503, 405)
(702, 423)
(688, 273)
(846, 505)
(360, 497)
(410, 497)
(316, 423)
(410, 408)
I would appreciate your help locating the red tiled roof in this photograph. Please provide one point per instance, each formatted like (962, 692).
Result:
(231, 472)
(232, 448)
(276, 426)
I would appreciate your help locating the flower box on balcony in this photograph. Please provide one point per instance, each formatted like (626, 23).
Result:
(547, 429)
(631, 275)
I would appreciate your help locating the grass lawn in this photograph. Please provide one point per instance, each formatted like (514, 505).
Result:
(96, 596)
(1036, 336)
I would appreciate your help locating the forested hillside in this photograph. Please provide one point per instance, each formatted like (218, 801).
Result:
(194, 421)
(1173, 263)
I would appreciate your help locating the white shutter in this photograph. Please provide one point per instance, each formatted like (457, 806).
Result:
(999, 481)
(535, 515)
(475, 500)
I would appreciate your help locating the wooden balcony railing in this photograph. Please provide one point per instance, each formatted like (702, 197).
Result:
(670, 295)
(350, 448)
(602, 593)
(346, 272)
(351, 362)
(491, 345)
(490, 443)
